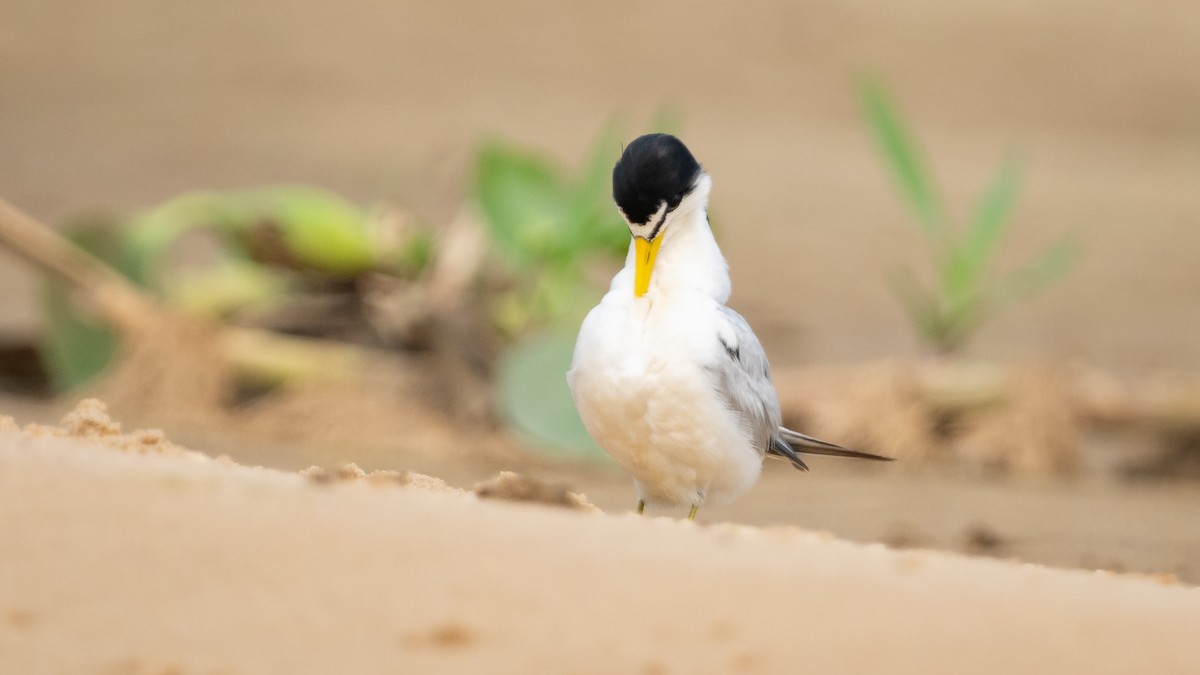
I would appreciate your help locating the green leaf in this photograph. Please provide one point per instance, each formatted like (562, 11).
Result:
(535, 399)
(416, 255)
(316, 229)
(320, 230)
(548, 225)
(604, 230)
(76, 346)
(1042, 272)
(523, 199)
(902, 158)
(963, 273)
(591, 204)
(992, 214)
(148, 237)
(595, 177)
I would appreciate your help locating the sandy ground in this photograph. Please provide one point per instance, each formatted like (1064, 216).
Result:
(140, 557)
(1093, 521)
(135, 564)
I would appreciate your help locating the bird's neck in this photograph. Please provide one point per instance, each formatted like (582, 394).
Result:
(688, 260)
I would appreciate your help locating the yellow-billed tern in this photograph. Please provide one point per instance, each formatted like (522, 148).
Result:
(669, 381)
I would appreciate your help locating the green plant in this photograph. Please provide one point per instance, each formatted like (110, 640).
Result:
(546, 223)
(264, 241)
(964, 292)
(77, 345)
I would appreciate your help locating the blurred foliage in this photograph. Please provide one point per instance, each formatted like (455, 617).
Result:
(264, 242)
(217, 253)
(963, 293)
(76, 345)
(293, 228)
(548, 224)
(531, 388)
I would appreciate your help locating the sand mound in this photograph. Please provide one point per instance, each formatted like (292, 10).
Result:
(350, 472)
(89, 420)
(520, 488)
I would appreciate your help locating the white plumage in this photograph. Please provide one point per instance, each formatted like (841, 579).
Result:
(642, 376)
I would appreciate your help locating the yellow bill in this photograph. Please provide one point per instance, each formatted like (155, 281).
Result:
(646, 252)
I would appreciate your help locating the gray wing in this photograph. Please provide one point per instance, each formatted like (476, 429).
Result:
(744, 381)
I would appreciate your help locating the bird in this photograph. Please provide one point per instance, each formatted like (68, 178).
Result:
(668, 380)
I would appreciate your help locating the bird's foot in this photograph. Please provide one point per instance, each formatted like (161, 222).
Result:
(692, 513)
(641, 506)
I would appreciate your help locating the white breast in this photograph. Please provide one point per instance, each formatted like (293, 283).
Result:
(640, 382)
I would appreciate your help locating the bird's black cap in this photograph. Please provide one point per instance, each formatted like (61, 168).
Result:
(654, 169)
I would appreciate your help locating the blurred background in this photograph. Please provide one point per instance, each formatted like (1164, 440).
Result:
(966, 234)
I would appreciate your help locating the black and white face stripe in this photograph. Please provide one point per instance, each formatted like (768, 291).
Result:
(649, 229)
(655, 173)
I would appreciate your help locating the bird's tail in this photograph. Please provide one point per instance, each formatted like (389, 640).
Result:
(794, 441)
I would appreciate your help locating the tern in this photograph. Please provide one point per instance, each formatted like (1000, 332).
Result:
(670, 382)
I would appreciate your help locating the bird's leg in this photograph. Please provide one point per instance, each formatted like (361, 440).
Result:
(692, 513)
(641, 506)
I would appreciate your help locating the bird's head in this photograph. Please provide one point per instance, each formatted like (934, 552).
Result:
(655, 182)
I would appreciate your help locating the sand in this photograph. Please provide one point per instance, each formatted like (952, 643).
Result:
(119, 561)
